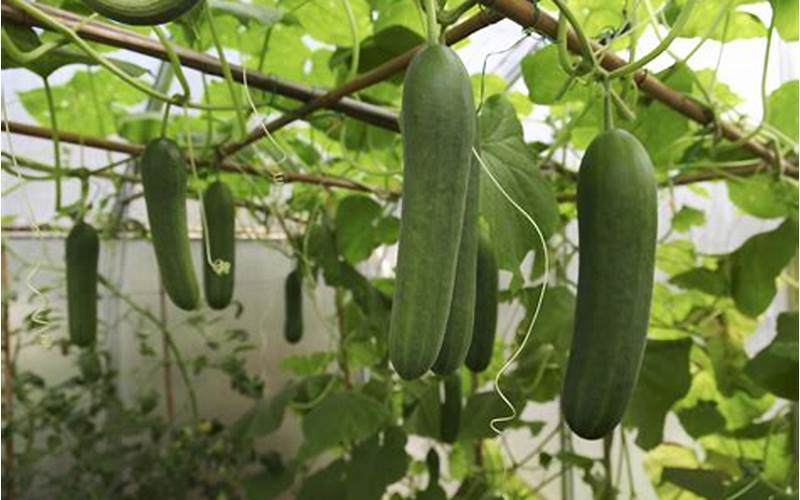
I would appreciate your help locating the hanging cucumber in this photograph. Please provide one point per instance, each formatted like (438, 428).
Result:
(438, 127)
(221, 241)
(141, 12)
(83, 250)
(617, 217)
(480, 350)
(164, 181)
(451, 408)
(460, 324)
(293, 322)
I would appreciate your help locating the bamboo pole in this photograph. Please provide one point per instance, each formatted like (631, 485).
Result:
(124, 39)
(228, 166)
(529, 15)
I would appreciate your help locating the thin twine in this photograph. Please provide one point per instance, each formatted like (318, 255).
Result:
(508, 418)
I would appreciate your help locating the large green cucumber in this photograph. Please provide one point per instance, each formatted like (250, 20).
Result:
(451, 408)
(293, 321)
(141, 12)
(480, 350)
(617, 218)
(460, 324)
(164, 181)
(438, 126)
(221, 241)
(83, 250)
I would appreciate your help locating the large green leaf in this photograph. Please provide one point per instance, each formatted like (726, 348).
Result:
(782, 109)
(86, 104)
(785, 12)
(265, 416)
(708, 19)
(663, 380)
(706, 483)
(340, 418)
(764, 195)
(546, 79)
(356, 218)
(327, 20)
(775, 367)
(511, 163)
(375, 464)
(326, 484)
(757, 263)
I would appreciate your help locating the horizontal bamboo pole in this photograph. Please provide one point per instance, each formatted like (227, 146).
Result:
(529, 15)
(361, 82)
(228, 166)
(117, 37)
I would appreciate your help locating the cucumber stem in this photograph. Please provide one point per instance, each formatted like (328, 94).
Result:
(608, 106)
(51, 109)
(433, 26)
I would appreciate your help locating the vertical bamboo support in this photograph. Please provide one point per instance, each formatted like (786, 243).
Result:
(8, 380)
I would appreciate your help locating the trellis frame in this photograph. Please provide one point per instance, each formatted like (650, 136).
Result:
(523, 13)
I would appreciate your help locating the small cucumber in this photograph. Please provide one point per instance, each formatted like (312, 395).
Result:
(221, 239)
(438, 127)
(164, 181)
(293, 322)
(460, 323)
(83, 250)
(482, 346)
(451, 408)
(141, 12)
(617, 217)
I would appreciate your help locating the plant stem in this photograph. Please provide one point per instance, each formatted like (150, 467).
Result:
(586, 45)
(433, 25)
(8, 379)
(169, 393)
(167, 338)
(608, 493)
(51, 108)
(226, 73)
(665, 42)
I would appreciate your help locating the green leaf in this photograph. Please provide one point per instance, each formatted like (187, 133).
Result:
(326, 484)
(785, 12)
(763, 195)
(482, 408)
(663, 380)
(265, 416)
(702, 419)
(139, 128)
(342, 417)
(375, 464)
(545, 78)
(687, 217)
(706, 483)
(782, 109)
(356, 218)
(510, 161)
(658, 126)
(757, 263)
(775, 367)
(741, 24)
(75, 102)
(327, 21)
(712, 282)
(268, 484)
(248, 12)
(426, 412)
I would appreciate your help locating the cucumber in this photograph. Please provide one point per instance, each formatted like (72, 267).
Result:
(451, 408)
(438, 127)
(293, 322)
(221, 224)
(164, 182)
(617, 218)
(460, 324)
(480, 350)
(432, 464)
(141, 12)
(82, 252)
